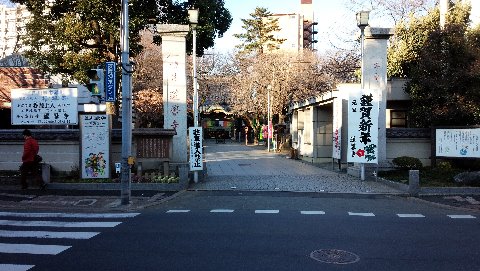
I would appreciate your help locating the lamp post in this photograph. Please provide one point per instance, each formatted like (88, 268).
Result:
(126, 108)
(193, 18)
(362, 22)
(269, 87)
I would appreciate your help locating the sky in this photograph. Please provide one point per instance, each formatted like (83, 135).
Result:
(336, 20)
(333, 16)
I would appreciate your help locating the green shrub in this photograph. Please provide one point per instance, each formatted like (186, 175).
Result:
(407, 163)
(445, 166)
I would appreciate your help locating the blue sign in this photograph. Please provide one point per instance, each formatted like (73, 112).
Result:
(110, 81)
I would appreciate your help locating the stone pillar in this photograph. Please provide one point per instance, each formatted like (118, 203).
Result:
(375, 61)
(175, 86)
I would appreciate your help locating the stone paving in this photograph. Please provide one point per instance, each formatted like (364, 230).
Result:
(235, 166)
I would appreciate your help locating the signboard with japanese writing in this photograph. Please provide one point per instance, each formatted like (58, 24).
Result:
(363, 126)
(95, 146)
(196, 148)
(110, 81)
(48, 106)
(458, 142)
(337, 129)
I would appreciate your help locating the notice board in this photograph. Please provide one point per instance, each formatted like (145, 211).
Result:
(457, 142)
(95, 146)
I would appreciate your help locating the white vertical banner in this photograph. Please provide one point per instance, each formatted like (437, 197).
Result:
(95, 159)
(195, 135)
(337, 129)
(363, 126)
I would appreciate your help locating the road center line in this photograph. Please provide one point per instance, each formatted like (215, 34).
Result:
(222, 211)
(410, 215)
(312, 212)
(267, 211)
(178, 211)
(360, 214)
(461, 216)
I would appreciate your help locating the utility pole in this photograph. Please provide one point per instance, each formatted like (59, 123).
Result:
(126, 106)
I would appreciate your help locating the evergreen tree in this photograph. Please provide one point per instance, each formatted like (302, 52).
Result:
(69, 37)
(443, 68)
(259, 32)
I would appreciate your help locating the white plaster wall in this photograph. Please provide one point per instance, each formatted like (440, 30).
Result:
(417, 147)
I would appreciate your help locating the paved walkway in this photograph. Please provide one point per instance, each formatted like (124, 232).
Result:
(235, 166)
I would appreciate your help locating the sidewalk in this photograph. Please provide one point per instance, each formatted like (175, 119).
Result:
(12, 198)
(232, 166)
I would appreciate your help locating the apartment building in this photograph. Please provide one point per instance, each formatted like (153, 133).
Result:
(12, 25)
(297, 29)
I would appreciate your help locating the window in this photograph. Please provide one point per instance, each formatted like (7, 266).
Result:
(398, 119)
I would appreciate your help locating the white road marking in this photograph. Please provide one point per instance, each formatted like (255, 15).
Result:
(410, 215)
(360, 214)
(312, 212)
(267, 211)
(70, 215)
(461, 216)
(47, 234)
(178, 211)
(32, 249)
(15, 267)
(222, 211)
(59, 224)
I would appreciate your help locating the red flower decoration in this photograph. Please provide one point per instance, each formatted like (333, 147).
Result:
(360, 153)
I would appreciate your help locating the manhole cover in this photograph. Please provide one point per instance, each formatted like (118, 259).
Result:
(334, 256)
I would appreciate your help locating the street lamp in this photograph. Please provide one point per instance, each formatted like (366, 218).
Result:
(362, 22)
(193, 18)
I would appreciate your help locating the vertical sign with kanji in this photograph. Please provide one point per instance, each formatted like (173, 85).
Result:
(337, 129)
(110, 81)
(363, 126)
(196, 148)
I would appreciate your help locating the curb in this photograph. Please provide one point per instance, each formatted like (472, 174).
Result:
(445, 206)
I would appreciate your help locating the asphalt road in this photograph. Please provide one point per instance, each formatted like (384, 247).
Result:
(263, 231)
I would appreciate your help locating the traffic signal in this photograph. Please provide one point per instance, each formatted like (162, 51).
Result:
(97, 82)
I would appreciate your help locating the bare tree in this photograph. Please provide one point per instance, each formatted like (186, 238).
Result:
(394, 10)
(147, 84)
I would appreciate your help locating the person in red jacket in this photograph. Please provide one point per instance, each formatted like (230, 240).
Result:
(29, 165)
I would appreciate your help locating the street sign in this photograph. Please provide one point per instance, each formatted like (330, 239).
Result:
(196, 148)
(110, 81)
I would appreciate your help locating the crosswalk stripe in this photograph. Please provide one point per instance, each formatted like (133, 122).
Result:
(410, 215)
(32, 249)
(178, 211)
(70, 215)
(47, 234)
(15, 267)
(267, 211)
(222, 211)
(461, 216)
(360, 214)
(312, 212)
(59, 224)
